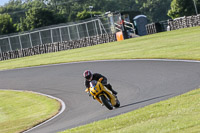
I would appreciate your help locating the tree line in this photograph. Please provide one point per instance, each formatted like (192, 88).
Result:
(23, 15)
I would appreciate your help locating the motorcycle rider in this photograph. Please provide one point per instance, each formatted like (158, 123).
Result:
(89, 76)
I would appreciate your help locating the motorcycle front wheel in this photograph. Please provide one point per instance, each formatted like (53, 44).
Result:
(106, 102)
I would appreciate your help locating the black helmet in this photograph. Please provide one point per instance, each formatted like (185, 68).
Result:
(88, 75)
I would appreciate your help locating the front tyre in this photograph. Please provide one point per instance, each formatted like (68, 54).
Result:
(106, 102)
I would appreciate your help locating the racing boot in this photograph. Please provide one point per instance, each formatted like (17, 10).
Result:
(110, 88)
(114, 92)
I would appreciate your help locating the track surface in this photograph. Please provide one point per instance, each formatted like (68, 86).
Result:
(138, 82)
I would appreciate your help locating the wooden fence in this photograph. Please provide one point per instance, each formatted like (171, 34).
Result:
(151, 28)
(59, 46)
(178, 23)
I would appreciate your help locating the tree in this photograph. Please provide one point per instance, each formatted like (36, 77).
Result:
(83, 15)
(181, 8)
(155, 10)
(86, 14)
(38, 17)
(6, 24)
(15, 9)
(30, 14)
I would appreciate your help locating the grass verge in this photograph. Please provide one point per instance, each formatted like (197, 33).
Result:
(176, 115)
(180, 44)
(22, 110)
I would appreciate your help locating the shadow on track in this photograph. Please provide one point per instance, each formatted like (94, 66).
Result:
(145, 100)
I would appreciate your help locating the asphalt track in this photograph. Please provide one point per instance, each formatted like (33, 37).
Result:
(138, 82)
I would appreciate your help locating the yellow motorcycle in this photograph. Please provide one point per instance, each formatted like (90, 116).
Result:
(102, 94)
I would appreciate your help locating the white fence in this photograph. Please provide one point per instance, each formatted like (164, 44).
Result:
(66, 32)
(58, 46)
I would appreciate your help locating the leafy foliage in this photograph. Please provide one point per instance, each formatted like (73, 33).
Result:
(181, 8)
(30, 14)
(38, 17)
(6, 24)
(156, 10)
(86, 14)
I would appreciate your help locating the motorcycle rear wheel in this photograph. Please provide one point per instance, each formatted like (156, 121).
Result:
(117, 104)
(106, 102)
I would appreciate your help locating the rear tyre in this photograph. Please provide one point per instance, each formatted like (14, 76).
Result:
(117, 104)
(106, 102)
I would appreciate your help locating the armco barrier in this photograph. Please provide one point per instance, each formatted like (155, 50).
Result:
(59, 46)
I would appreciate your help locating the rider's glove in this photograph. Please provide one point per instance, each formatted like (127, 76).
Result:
(89, 93)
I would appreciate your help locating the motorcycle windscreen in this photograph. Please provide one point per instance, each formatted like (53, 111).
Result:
(93, 83)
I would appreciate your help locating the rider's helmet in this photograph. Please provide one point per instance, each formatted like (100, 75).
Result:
(88, 75)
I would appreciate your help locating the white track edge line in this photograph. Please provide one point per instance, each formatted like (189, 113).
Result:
(63, 107)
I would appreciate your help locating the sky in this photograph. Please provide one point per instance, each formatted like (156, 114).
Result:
(2, 2)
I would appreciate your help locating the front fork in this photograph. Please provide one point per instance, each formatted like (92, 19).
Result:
(112, 98)
(98, 100)
(87, 91)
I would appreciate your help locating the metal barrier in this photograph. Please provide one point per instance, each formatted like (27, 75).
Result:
(58, 33)
(58, 46)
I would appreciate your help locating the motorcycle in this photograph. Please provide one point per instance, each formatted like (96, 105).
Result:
(102, 94)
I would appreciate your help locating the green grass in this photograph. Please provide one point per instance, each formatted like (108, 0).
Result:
(180, 44)
(22, 110)
(180, 114)
(174, 115)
